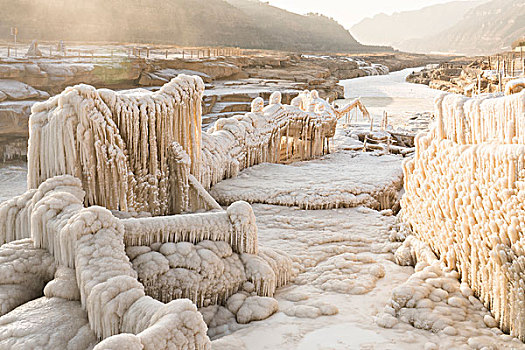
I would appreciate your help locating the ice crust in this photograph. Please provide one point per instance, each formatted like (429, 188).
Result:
(338, 180)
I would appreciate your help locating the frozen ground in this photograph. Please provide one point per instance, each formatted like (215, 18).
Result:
(342, 179)
(344, 260)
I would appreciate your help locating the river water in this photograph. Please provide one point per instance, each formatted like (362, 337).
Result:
(383, 93)
(391, 94)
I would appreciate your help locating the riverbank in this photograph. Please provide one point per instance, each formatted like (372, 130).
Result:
(472, 75)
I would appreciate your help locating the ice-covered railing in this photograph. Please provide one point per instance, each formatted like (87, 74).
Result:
(482, 119)
(236, 226)
(355, 104)
(141, 151)
(465, 197)
(115, 283)
(276, 133)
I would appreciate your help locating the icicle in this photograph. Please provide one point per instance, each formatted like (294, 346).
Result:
(463, 190)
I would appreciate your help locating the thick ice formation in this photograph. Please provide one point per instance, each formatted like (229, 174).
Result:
(207, 273)
(236, 226)
(90, 241)
(47, 323)
(338, 180)
(465, 194)
(116, 143)
(24, 271)
(514, 86)
(216, 255)
(433, 299)
(274, 134)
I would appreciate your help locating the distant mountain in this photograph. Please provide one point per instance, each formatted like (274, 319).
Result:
(488, 28)
(399, 27)
(463, 27)
(243, 23)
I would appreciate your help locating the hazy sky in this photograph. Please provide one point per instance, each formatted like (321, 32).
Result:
(350, 12)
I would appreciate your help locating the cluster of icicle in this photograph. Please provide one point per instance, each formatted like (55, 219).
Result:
(138, 151)
(91, 241)
(205, 257)
(116, 142)
(483, 119)
(222, 244)
(276, 133)
(465, 197)
(236, 226)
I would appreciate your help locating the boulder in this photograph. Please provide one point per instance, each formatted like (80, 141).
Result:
(15, 90)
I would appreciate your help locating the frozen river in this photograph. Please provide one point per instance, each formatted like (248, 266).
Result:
(391, 93)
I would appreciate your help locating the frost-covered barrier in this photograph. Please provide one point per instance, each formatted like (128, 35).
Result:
(86, 247)
(208, 257)
(465, 194)
(116, 142)
(276, 133)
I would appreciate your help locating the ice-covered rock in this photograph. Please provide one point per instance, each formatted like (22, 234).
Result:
(433, 299)
(47, 323)
(24, 271)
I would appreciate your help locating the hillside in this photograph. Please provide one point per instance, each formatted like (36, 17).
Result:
(286, 30)
(399, 27)
(243, 23)
(488, 28)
